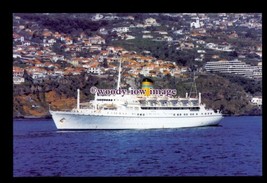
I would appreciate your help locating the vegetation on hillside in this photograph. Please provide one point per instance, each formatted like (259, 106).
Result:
(218, 92)
(34, 98)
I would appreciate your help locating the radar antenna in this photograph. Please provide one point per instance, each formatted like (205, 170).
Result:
(193, 90)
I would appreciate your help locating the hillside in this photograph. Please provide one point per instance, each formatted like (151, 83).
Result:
(54, 54)
(217, 93)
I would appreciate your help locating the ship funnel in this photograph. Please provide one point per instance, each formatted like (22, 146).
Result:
(147, 84)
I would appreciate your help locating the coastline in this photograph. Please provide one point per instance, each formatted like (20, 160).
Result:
(33, 117)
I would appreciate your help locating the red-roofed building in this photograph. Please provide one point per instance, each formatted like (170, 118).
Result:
(97, 40)
(18, 75)
(17, 71)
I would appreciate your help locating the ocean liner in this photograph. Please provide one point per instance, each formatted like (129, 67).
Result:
(146, 110)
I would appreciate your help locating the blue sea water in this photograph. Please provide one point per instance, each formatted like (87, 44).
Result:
(232, 149)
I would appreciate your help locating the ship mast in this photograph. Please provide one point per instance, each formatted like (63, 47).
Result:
(95, 105)
(193, 87)
(78, 98)
(119, 77)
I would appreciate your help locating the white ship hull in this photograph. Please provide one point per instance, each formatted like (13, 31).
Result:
(74, 121)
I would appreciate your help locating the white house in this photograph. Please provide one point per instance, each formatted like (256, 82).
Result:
(16, 55)
(97, 17)
(150, 22)
(121, 29)
(195, 24)
(18, 80)
(147, 36)
(257, 100)
(129, 37)
(95, 70)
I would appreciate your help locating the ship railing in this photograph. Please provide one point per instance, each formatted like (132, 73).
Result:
(62, 110)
